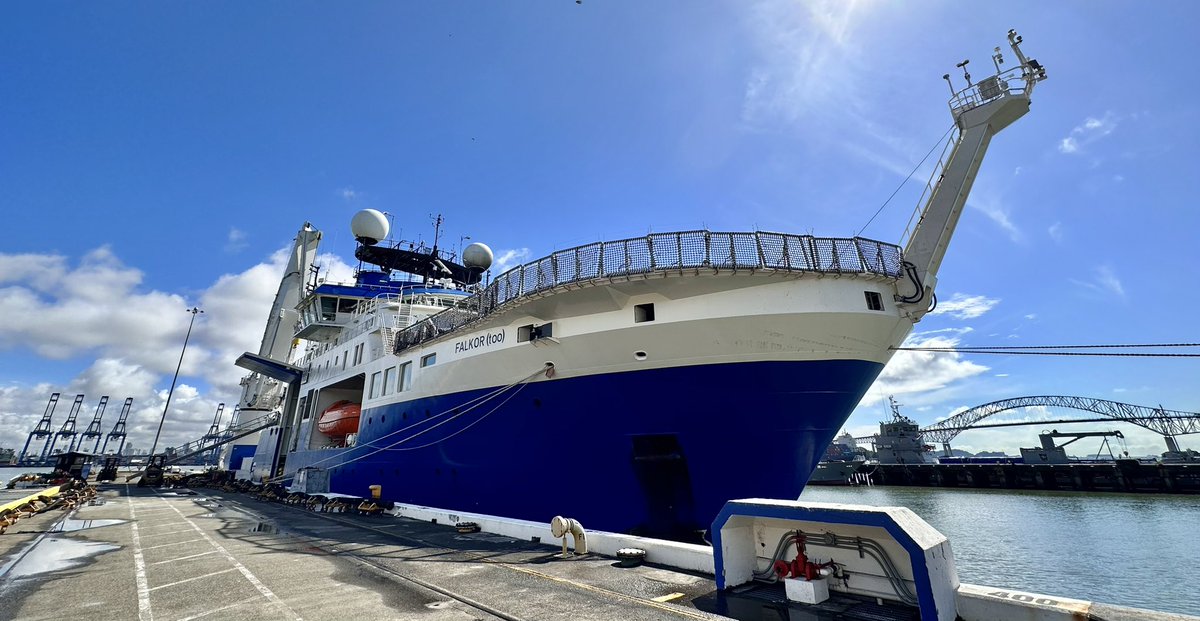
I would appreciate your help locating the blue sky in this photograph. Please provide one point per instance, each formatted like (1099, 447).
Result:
(159, 155)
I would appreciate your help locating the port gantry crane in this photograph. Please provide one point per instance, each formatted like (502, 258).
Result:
(41, 431)
(93, 428)
(68, 428)
(214, 433)
(118, 430)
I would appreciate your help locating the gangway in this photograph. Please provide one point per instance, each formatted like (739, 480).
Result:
(93, 429)
(118, 430)
(41, 431)
(233, 432)
(68, 428)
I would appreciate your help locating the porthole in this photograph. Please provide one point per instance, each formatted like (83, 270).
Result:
(639, 355)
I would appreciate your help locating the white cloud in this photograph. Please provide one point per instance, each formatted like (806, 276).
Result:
(1091, 130)
(1105, 282)
(803, 52)
(962, 306)
(97, 309)
(922, 372)
(1031, 316)
(1055, 231)
(236, 241)
(996, 212)
(510, 258)
(349, 194)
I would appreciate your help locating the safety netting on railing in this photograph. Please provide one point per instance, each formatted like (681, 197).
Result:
(664, 252)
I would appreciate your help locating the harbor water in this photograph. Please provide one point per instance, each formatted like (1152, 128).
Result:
(1127, 549)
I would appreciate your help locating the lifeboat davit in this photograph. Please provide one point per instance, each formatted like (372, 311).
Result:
(340, 418)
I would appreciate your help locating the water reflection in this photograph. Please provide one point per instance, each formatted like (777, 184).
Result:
(1128, 549)
(53, 554)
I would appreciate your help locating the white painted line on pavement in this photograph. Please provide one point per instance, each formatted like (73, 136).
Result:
(208, 575)
(262, 588)
(139, 564)
(184, 558)
(173, 543)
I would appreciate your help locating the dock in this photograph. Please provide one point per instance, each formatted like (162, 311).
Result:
(183, 554)
(1123, 475)
(138, 553)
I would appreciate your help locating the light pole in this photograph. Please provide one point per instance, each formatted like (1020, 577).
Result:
(194, 311)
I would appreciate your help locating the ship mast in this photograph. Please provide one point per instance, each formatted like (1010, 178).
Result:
(259, 392)
(980, 111)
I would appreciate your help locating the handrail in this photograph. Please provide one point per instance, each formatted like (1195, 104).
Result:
(663, 253)
(987, 89)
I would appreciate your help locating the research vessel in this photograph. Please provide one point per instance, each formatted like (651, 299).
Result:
(635, 385)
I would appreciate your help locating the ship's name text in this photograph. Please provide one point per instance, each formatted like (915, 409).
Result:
(483, 340)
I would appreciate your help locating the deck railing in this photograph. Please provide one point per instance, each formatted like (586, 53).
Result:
(665, 253)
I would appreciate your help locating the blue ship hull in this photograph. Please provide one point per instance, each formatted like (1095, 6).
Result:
(654, 452)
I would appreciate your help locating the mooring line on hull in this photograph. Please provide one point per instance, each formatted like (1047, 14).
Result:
(474, 403)
(477, 421)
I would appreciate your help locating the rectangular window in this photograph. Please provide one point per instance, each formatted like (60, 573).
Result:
(389, 380)
(428, 361)
(376, 384)
(874, 300)
(345, 358)
(643, 313)
(328, 309)
(405, 377)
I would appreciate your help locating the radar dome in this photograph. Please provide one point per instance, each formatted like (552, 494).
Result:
(477, 256)
(369, 226)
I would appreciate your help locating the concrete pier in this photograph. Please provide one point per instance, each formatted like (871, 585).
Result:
(180, 554)
(145, 554)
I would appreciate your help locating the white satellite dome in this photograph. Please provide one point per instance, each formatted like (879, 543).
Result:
(477, 256)
(369, 226)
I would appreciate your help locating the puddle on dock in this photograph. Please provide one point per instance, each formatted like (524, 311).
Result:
(54, 554)
(69, 526)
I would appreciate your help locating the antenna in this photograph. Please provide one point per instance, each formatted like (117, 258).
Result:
(963, 66)
(997, 58)
(946, 77)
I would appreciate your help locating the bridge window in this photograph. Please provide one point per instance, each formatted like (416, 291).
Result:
(874, 300)
(328, 308)
(428, 361)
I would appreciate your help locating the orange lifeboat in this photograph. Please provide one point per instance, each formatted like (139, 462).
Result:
(340, 418)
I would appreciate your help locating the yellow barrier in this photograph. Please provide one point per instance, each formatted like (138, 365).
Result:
(48, 492)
